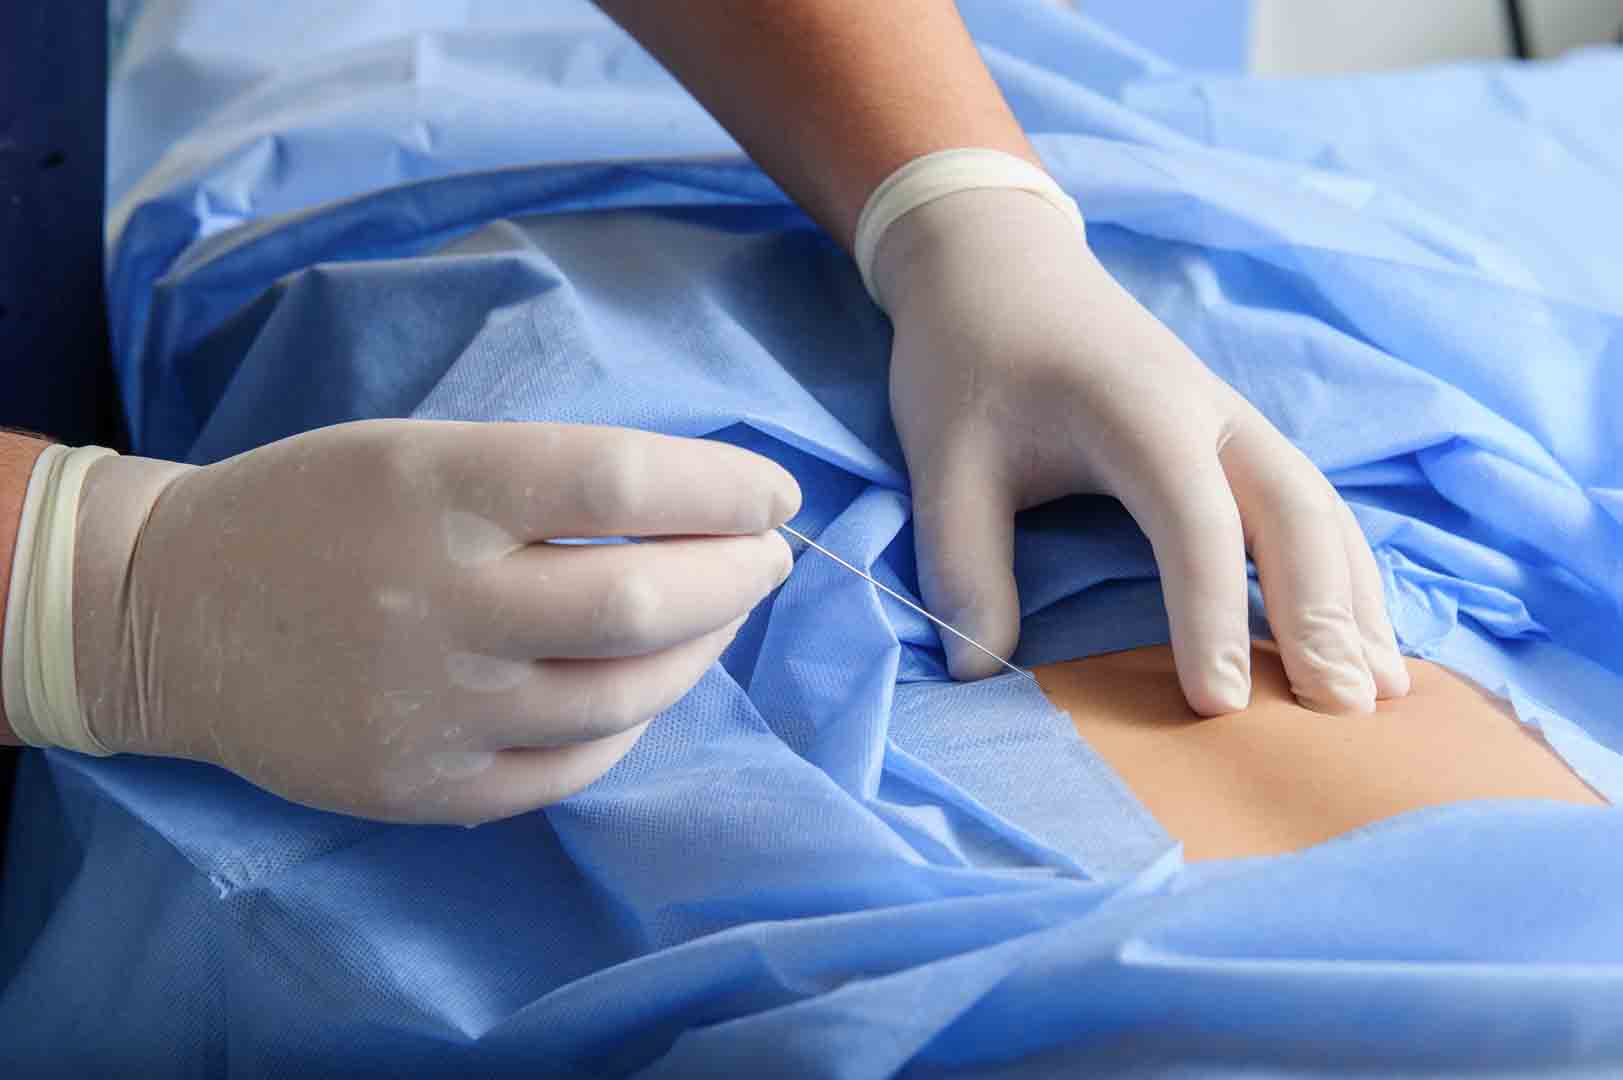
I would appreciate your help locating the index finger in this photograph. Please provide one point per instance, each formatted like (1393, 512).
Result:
(1195, 531)
(542, 481)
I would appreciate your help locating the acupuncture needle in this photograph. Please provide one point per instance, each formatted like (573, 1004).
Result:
(894, 595)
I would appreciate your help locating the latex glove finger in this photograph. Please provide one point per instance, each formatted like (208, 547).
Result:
(525, 779)
(963, 530)
(569, 701)
(591, 711)
(485, 785)
(480, 786)
(605, 600)
(1296, 540)
(549, 481)
(1194, 529)
(1369, 608)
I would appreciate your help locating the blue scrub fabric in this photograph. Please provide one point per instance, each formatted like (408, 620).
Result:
(828, 859)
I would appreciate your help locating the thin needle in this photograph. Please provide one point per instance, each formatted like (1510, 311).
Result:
(894, 595)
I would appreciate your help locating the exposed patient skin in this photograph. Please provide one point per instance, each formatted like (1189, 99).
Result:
(1276, 777)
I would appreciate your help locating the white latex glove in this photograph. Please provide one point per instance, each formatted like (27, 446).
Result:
(1021, 372)
(367, 618)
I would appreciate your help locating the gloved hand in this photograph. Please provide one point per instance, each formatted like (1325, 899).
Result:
(366, 618)
(1021, 371)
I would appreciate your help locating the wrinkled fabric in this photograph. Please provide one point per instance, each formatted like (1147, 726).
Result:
(828, 859)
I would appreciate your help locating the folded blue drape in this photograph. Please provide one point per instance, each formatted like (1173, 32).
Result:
(828, 859)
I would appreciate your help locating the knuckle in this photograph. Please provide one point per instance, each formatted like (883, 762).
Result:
(1325, 636)
(613, 489)
(629, 612)
(397, 462)
(480, 596)
(1331, 619)
(616, 706)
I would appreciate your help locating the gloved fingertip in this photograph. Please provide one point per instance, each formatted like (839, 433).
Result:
(999, 635)
(1224, 688)
(785, 564)
(1231, 700)
(968, 664)
(1340, 696)
(1326, 658)
(1390, 672)
(785, 500)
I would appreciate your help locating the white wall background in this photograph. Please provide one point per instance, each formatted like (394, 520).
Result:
(1300, 37)
(1558, 25)
(1317, 37)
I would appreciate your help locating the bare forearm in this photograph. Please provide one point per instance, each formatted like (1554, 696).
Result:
(830, 96)
(17, 456)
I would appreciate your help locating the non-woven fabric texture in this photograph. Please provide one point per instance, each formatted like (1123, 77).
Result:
(828, 859)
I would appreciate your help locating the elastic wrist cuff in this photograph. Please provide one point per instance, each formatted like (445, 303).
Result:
(935, 176)
(37, 672)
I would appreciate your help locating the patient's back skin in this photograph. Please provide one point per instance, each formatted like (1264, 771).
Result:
(1277, 777)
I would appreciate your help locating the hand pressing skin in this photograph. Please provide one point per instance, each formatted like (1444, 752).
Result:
(1021, 372)
(1269, 779)
(369, 618)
